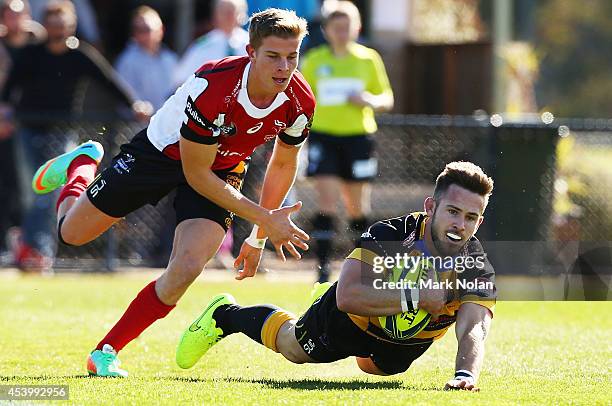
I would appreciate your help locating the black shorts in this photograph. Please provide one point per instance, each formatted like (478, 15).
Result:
(349, 158)
(140, 174)
(326, 334)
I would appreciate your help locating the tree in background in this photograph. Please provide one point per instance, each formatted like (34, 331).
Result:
(574, 39)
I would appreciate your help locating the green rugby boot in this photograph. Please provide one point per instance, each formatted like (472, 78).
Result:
(105, 363)
(52, 174)
(202, 334)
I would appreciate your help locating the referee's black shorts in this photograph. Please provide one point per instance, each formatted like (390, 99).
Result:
(348, 157)
(140, 174)
(326, 334)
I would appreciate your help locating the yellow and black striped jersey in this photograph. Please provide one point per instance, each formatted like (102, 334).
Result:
(405, 235)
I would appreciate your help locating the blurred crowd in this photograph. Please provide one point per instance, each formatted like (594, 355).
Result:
(52, 61)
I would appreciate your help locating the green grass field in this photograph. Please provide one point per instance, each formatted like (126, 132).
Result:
(537, 352)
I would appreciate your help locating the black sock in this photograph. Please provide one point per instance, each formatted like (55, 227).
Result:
(323, 234)
(247, 320)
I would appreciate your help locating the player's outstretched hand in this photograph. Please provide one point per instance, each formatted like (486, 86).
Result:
(249, 259)
(283, 234)
(461, 384)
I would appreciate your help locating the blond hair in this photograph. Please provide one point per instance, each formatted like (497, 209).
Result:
(278, 23)
(333, 9)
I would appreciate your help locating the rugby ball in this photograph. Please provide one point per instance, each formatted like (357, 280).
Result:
(403, 326)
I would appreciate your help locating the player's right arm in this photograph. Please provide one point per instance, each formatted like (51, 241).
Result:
(197, 160)
(360, 290)
(356, 292)
(473, 325)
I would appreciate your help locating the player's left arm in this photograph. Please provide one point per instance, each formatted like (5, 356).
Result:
(473, 325)
(280, 175)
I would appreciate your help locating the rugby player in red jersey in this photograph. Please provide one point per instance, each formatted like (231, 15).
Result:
(198, 144)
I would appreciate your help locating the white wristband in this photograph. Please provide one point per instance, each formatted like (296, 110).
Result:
(414, 300)
(404, 302)
(255, 242)
(414, 295)
(465, 375)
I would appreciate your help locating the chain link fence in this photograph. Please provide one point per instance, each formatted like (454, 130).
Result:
(551, 181)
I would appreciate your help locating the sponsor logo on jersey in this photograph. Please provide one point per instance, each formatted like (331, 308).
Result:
(122, 164)
(409, 242)
(226, 130)
(217, 127)
(255, 128)
(236, 89)
(196, 116)
(298, 105)
(367, 236)
(223, 152)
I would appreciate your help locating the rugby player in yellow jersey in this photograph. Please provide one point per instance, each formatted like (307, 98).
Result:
(343, 320)
(350, 84)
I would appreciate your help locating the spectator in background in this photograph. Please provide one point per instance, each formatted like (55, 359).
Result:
(45, 86)
(5, 64)
(146, 64)
(17, 30)
(226, 39)
(350, 84)
(87, 28)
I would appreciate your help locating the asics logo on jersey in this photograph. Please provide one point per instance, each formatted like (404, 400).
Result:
(255, 128)
(279, 123)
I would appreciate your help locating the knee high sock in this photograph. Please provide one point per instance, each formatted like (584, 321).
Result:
(260, 323)
(144, 310)
(323, 234)
(81, 173)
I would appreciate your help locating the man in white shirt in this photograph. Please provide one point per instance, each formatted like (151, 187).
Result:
(146, 53)
(226, 39)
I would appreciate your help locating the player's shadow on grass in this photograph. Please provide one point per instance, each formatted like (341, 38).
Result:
(312, 384)
(319, 384)
(41, 377)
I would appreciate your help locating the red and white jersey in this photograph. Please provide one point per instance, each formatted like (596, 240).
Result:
(213, 107)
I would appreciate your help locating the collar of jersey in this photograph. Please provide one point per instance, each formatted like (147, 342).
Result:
(253, 111)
